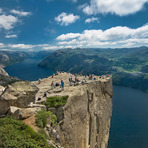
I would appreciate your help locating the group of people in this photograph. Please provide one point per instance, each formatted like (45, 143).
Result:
(54, 85)
(76, 80)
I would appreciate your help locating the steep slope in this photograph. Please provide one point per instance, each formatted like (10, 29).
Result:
(11, 57)
(84, 121)
(127, 65)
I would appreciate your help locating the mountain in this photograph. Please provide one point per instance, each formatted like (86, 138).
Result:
(11, 57)
(8, 58)
(127, 65)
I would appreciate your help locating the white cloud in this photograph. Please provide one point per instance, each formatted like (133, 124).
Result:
(114, 37)
(50, 47)
(2, 45)
(1, 10)
(21, 46)
(91, 20)
(11, 36)
(74, 1)
(20, 13)
(68, 36)
(30, 47)
(65, 19)
(7, 21)
(118, 7)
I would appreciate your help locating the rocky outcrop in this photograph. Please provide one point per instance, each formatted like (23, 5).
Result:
(87, 116)
(19, 94)
(3, 72)
(22, 113)
(84, 121)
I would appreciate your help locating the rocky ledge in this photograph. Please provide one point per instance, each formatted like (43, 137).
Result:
(84, 121)
(19, 94)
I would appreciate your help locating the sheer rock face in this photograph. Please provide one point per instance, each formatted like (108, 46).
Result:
(87, 116)
(3, 72)
(19, 94)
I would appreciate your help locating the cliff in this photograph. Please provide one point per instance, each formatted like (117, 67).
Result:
(84, 121)
(5, 79)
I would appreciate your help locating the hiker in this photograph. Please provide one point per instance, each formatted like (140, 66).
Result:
(78, 80)
(90, 77)
(45, 94)
(57, 84)
(39, 81)
(75, 79)
(52, 85)
(62, 84)
(83, 81)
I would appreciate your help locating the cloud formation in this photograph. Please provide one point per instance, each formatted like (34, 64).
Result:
(114, 37)
(118, 7)
(65, 19)
(20, 13)
(7, 21)
(21, 46)
(91, 20)
(11, 36)
(1, 10)
(74, 1)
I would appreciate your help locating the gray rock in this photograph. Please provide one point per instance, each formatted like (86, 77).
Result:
(87, 116)
(19, 94)
(22, 113)
(3, 72)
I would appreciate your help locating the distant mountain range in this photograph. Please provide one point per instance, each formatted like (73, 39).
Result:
(129, 66)
(11, 57)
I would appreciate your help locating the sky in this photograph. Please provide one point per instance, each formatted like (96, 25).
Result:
(33, 25)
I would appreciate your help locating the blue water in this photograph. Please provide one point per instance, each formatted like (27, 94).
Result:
(28, 70)
(129, 124)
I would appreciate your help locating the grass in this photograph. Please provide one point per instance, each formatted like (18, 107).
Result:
(56, 101)
(16, 134)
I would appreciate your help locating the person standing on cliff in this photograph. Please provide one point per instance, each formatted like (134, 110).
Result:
(39, 81)
(52, 85)
(62, 84)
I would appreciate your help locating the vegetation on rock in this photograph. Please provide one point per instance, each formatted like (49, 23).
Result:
(16, 134)
(56, 101)
(42, 116)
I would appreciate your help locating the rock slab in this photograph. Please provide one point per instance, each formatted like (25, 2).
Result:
(19, 94)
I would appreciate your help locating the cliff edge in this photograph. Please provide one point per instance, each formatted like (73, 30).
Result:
(84, 121)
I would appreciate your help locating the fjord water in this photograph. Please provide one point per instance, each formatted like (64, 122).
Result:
(129, 124)
(28, 70)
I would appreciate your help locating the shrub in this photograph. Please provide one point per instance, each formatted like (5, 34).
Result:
(56, 101)
(53, 118)
(41, 118)
(15, 134)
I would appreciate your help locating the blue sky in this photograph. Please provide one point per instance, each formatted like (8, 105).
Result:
(54, 24)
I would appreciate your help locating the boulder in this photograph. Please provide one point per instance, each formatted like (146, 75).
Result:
(22, 113)
(19, 94)
(43, 107)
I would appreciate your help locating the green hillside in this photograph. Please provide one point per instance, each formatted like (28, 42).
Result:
(129, 66)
